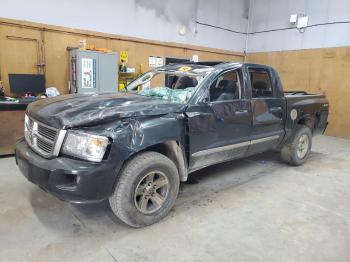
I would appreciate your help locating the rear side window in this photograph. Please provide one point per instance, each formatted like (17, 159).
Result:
(260, 83)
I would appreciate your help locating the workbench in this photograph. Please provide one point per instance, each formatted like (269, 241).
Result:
(11, 125)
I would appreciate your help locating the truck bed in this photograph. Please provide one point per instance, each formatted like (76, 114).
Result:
(308, 106)
(300, 94)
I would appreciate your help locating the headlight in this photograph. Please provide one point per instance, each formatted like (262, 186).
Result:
(85, 146)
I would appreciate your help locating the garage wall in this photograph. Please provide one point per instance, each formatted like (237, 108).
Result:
(149, 19)
(317, 60)
(273, 14)
(50, 43)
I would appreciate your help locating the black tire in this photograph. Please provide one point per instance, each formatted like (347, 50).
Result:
(289, 152)
(123, 201)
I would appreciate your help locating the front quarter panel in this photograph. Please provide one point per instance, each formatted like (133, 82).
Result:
(131, 135)
(155, 130)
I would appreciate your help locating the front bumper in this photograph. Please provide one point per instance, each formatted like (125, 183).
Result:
(66, 178)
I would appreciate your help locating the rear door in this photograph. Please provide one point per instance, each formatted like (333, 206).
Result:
(268, 107)
(219, 128)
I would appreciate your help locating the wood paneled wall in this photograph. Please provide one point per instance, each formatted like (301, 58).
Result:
(325, 71)
(21, 56)
(313, 70)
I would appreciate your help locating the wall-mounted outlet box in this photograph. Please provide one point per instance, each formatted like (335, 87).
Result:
(302, 22)
(293, 18)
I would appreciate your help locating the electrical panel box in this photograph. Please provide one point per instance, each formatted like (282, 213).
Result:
(93, 72)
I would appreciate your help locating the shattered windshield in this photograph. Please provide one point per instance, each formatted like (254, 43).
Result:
(173, 83)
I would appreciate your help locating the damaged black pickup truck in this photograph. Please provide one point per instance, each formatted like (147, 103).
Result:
(135, 147)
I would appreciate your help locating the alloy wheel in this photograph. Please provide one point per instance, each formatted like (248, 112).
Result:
(151, 192)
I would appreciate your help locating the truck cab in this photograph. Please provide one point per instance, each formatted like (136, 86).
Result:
(245, 105)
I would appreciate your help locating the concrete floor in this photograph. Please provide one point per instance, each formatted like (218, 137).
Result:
(256, 209)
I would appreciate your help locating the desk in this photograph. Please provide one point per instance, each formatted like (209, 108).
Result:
(11, 125)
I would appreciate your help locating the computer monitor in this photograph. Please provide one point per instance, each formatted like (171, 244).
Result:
(21, 84)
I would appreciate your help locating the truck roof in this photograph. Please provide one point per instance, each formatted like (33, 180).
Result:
(219, 64)
(196, 68)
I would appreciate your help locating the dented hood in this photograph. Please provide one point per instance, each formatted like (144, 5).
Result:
(86, 110)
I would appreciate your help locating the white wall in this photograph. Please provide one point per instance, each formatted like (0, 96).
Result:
(273, 14)
(161, 19)
(150, 19)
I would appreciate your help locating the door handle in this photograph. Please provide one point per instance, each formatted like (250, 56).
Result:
(274, 109)
(240, 112)
(277, 111)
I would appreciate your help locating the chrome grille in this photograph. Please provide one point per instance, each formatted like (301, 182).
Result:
(43, 139)
(47, 132)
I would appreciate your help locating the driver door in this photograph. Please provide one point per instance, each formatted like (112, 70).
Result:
(219, 129)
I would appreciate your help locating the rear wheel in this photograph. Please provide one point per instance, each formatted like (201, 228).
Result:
(146, 190)
(298, 149)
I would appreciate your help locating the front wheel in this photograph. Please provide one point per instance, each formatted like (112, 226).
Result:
(146, 190)
(298, 149)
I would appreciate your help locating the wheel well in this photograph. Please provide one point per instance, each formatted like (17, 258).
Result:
(307, 121)
(173, 150)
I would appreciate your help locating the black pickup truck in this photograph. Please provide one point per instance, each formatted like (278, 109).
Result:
(134, 147)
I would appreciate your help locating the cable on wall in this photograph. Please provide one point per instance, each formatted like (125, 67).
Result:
(271, 30)
(221, 28)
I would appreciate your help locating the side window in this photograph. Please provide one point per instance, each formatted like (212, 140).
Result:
(226, 87)
(260, 82)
